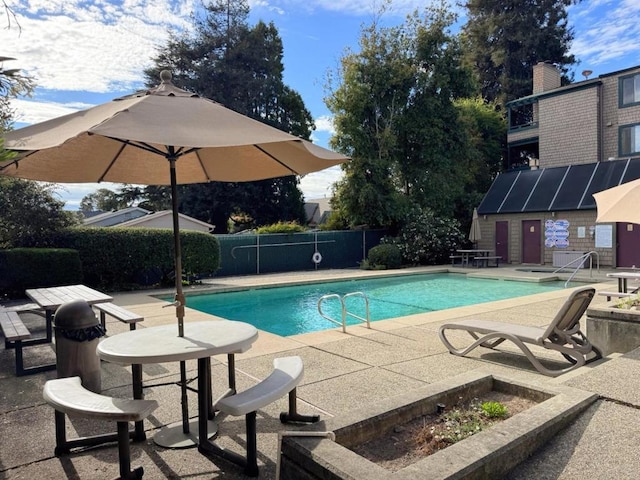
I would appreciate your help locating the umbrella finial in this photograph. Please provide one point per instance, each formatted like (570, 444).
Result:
(165, 76)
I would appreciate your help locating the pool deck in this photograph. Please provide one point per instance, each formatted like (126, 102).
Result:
(342, 372)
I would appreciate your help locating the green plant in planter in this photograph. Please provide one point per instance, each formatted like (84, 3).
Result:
(627, 303)
(494, 410)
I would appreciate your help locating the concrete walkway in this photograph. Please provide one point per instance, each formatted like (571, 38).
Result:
(342, 372)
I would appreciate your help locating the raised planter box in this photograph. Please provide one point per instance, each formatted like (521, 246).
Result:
(488, 454)
(612, 329)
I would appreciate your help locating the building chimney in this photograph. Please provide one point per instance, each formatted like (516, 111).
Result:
(545, 77)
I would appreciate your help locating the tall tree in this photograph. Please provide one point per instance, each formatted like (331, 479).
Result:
(484, 130)
(504, 39)
(395, 116)
(241, 67)
(30, 213)
(367, 95)
(102, 199)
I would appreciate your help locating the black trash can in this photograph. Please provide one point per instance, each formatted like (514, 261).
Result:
(77, 332)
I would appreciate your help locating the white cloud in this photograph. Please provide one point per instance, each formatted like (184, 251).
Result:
(609, 30)
(102, 47)
(318, 184)
(324, 123)
(27, 111)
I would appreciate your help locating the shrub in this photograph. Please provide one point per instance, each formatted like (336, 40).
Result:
(335, 221)
(22, 268)
(426, 239)
(385, 255)
(124, 258)
(281, 227)
(494, 410)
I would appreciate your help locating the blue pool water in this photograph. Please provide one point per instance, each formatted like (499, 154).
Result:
(292, 310)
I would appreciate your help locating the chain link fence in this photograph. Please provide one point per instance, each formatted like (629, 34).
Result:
(270, 253)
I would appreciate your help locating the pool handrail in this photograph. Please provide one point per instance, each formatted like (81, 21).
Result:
(343, 306)
(366, 320)
(580, 261)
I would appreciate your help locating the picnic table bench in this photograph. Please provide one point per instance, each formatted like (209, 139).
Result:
(68, 396)
(119, 313)
(611, 295)
(484, 261)
(17, 336)
(284, 379)
(456, 257)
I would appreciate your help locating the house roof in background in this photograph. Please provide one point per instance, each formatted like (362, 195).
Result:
(161, 215)
(131, 212)
(316, 210)
(90, 214)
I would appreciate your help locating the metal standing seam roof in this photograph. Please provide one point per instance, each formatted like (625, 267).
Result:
(556, 188)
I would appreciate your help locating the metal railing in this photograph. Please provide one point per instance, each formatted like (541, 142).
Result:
(580, 261)
(345, 312)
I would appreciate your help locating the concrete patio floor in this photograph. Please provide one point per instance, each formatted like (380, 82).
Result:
(342, 372)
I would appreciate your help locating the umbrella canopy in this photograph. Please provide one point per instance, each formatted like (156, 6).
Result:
(121, 141)
(474, 233)
(127, 140)
(619, 204)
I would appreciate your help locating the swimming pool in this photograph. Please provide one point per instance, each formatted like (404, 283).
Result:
(293, 310)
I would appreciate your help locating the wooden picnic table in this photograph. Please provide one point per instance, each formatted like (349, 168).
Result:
(50, 298)
(469, 253)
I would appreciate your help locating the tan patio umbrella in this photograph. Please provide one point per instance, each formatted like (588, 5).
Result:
(474, 233)
(127, 139)
(619, 204)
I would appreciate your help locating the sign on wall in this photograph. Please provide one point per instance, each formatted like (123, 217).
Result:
(604, 236)
(556, 233)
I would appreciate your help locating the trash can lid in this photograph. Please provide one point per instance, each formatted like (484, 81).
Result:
(76, 314)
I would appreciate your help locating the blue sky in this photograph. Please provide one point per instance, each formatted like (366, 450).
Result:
(85, 52)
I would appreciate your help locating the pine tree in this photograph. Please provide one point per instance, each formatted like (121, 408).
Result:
(240, 67)
(504, 39)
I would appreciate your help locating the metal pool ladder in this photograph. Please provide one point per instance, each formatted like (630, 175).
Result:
(345, 313)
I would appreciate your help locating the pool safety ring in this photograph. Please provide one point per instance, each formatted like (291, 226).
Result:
(316, 258)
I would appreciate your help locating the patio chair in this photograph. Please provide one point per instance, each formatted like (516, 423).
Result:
(562, 335)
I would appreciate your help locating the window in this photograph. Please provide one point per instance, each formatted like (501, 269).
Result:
(522, 116)
(629, 140)
(630, 90)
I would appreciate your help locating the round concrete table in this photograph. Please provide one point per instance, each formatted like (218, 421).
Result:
(162, 344)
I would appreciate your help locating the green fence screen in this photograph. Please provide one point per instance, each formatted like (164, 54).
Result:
(252, 254)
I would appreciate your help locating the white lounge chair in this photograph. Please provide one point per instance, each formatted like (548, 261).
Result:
(562, 335)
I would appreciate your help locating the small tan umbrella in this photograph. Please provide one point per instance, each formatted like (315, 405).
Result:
(619, 204)
(474, 233)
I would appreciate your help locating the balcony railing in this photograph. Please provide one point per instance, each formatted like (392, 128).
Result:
(524, 126)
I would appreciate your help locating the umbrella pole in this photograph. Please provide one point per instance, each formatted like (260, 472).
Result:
(179, 298)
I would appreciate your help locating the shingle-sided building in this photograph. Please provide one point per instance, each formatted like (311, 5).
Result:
(566, 143)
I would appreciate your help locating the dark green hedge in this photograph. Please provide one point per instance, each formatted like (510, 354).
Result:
(22, 268)
(123, 258)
